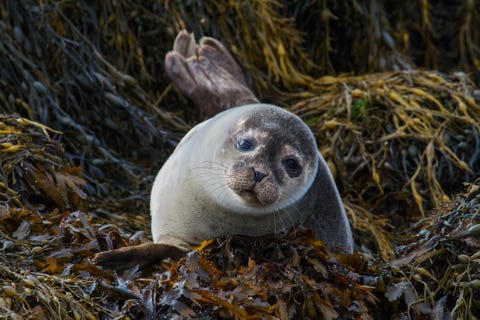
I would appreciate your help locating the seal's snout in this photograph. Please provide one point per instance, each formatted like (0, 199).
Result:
(253, 186)
(258, 176)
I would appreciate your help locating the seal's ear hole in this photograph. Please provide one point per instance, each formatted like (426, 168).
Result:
(245, 144)
(292, 166)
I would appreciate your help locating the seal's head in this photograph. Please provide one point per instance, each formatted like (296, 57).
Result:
(269, 158)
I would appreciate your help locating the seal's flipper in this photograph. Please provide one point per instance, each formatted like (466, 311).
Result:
(144, 255)
(330, 221)
(214, 50)
(185, 44)
(207, 74)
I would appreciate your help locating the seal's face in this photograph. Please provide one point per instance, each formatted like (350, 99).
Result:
(272, 160)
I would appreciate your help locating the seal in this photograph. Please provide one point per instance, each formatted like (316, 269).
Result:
(251, 170)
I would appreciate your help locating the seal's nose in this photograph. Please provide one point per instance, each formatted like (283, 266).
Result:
(258, 176)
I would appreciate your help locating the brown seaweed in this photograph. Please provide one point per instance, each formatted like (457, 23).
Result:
(402, 142)
(399, 143)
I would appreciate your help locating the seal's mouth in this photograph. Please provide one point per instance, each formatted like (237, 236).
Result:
(251, 198)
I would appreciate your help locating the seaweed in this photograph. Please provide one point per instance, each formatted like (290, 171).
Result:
(88, 116)
(397, 142)
(437, 273)
(34, 171)
(54, 72)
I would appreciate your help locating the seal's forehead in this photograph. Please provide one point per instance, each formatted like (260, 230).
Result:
(269, 118)
(279, 127)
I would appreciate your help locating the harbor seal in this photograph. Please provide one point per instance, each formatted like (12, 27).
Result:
(251, 170)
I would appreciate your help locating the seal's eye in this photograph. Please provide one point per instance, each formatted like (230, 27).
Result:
(245, 145)
(292, 166)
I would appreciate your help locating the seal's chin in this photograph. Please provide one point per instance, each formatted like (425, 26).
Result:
(247, 203)
(252, 199)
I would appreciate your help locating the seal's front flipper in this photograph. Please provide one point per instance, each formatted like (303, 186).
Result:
(144, 255)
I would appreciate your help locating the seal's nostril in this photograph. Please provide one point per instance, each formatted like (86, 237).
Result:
(258, 176)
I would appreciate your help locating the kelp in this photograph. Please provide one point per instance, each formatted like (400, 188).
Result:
(54, 72)
(34, 171)
(437, 274)
(42, 273)
(376, 36)
(45, 237)
(399, 143)
(333, 40)
(95, 70)
(278, 277)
